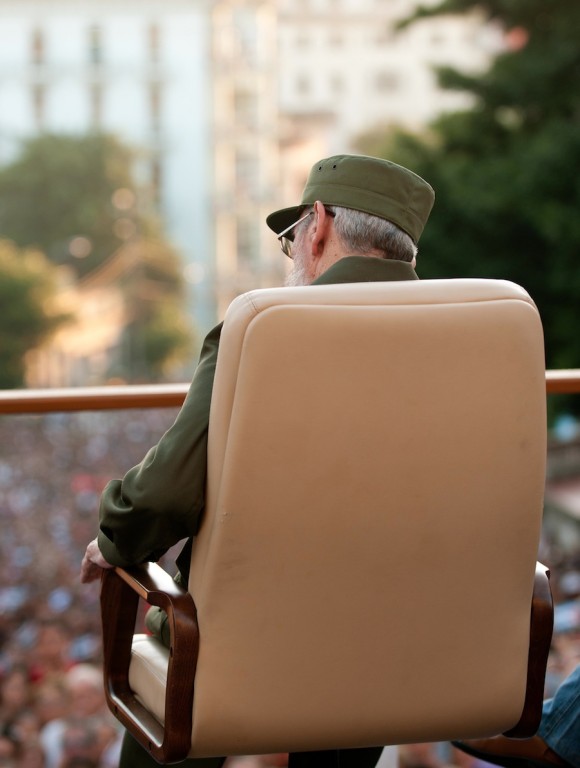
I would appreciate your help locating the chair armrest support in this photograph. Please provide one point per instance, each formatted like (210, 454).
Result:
(541, 626)
(120, 593)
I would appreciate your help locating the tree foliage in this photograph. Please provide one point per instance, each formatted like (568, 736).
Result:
(157, 334)
(61, 188)
(505, 170)
(26, 288)
(75, 199)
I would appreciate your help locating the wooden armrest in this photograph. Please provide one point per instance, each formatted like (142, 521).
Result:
(541, 626)
(120, 593)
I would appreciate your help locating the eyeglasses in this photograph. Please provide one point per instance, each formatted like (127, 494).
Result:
(286, 237)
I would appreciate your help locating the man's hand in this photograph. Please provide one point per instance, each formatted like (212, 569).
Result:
(93, 563)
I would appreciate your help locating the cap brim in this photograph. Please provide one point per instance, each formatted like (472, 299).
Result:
(280, 220)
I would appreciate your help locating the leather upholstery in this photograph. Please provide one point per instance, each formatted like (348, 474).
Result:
(364, 571)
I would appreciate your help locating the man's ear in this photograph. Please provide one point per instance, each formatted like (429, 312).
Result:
(320, 234)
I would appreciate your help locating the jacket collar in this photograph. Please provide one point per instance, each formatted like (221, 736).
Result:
(366, 269)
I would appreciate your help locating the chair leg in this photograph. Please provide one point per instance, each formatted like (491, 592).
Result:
(326, 759)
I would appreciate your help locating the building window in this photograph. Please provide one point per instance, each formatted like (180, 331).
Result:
(303, 85)
(37, 47)
(437, 38)
(154, 43)
(155, 97)
(336, 84)
(245, 29)
(246, 166)
(248, 242)
(95, 45)
(246, 108)
(387, 81)
(385, 35)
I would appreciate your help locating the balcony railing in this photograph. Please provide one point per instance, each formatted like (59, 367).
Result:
(92, 398)
(558, 382)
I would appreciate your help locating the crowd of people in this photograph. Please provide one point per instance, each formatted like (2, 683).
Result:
(52, 708)
(52, 470)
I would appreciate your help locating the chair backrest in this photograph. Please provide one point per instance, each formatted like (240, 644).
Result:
(364, 571)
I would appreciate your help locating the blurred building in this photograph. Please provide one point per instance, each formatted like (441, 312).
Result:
(344, 63)
(346, 69)
(227, 102)
(245, 146)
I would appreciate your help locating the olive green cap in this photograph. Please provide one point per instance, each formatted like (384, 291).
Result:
(367, 184)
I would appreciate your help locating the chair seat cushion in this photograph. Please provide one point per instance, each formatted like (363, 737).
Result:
(148, 673)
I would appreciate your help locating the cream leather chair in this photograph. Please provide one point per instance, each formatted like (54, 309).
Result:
(365, 570)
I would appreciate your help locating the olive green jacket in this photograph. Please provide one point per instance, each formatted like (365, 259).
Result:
(161, 500)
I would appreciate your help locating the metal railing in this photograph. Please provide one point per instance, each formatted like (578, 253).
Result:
(16, 401)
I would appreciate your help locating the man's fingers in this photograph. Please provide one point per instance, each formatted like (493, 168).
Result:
(89, 571)
(93, 563)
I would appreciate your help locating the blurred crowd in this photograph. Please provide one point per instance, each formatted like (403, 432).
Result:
(52, 708)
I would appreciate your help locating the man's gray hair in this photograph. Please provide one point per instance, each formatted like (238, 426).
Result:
(362, 233)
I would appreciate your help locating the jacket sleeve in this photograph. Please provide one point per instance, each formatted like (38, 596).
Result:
(161, 500)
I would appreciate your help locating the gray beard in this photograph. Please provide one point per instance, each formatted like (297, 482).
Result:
(297, 276)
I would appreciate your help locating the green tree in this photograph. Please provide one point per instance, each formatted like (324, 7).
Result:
(26, 289)
(157, 334)
(505, 170)
(59, 196)
(75, 199)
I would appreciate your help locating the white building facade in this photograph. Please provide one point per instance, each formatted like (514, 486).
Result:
(347, 69)
(347, 59)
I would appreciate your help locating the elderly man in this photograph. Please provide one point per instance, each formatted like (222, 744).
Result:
(359, 221)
